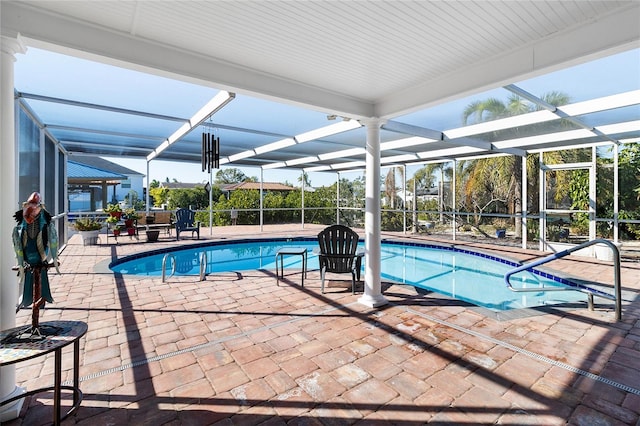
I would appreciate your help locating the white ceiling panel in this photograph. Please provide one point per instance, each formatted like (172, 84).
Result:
(363, 49)
(293, 63)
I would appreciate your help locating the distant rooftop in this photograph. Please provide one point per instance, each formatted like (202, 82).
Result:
(81, 173)
(104, 165)
(267, 186)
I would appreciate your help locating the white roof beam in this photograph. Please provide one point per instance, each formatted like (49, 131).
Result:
(556, 110)
(409, 129)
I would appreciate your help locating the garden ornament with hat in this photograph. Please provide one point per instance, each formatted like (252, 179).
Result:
(35, 241)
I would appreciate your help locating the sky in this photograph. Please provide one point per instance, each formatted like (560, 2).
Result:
(614, 74)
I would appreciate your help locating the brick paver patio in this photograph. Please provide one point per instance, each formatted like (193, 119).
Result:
(237, 349)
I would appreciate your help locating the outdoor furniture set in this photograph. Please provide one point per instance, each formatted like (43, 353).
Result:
(151, 224)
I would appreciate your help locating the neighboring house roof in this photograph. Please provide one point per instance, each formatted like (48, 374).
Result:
(106, 165)
(81, 173)
(266, 186)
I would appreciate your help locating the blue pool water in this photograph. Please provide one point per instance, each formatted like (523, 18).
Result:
(476, 278)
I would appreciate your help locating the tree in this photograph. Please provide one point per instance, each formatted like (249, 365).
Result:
(352, 198)
(196, 198)
(427, 176)
(133, 200)
(506, 170)
(248, 199)
(304, 177)
(629, 185)
(423, 178)
(275, 200)
(321, 204)
(159, 195)
(390, 188)
(232, 175)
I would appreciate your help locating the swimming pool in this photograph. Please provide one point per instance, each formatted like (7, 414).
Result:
(477, 278)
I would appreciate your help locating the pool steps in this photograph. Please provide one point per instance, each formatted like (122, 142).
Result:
(616, 297)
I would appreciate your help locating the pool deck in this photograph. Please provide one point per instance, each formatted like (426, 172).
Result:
(237, 349)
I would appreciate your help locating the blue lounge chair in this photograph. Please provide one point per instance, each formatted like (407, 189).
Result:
(185, 221)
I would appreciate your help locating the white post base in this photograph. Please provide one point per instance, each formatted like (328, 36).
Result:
(373, 301)
(12, 411)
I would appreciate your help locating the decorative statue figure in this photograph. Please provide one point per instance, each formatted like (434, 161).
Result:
(35, 241)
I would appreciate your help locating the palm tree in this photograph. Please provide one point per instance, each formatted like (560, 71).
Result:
(390, 188)
(499, 179)
(423, 177)
(304, 178)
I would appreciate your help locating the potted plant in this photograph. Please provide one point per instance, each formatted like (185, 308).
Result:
(114, 210)
(113, 224)
(88, 228)
(129, 215)
(152, 235)
(112, 220)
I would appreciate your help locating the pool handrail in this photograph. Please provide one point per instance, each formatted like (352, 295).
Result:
(164, 266)
(617, 297)
(203, 265)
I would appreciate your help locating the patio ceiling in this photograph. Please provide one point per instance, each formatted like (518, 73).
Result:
(137, 71)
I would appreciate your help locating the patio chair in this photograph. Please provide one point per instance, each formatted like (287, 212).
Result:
(338, 253)
(185, 221)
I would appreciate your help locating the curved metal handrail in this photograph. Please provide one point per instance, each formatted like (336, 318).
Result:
(164, 266)
(617, 297)
(203, 265)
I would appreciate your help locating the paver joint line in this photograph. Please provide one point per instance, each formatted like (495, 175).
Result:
(204, 345)
(529, 353)
(407, 309)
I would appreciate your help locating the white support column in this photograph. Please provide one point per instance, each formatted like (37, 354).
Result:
(8, 206)
(43, 166)
(523, 203)
(261, 199)
(414, 205)
(592, 195)
(302, 199)
(56, 208)
(453, 202)
(338, 198)
(65, 196)
(148, 195)
(372, 296)
(616, 192)
(542, 203)
(404, 199)
(441, 194)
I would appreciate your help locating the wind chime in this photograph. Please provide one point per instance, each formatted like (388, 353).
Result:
(210, 151)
